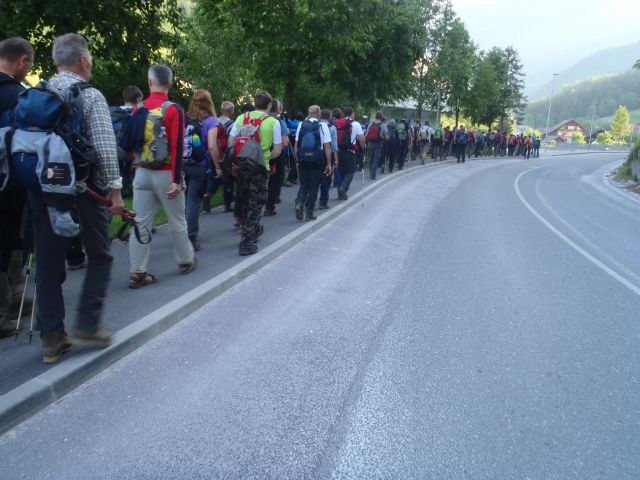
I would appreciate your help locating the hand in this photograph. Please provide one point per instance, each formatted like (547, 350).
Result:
(234, 170)
(328, 170)
(173, 191)
(218, 172)
(117, 205)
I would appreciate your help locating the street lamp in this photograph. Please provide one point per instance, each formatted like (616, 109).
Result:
(546, 133)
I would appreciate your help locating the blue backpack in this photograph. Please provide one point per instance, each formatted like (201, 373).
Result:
(310, 145)
(49, 154)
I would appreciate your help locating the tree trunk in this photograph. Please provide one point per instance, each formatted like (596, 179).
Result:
(457, 116)
(289, 91)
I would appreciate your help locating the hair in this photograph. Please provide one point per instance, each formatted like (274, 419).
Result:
(262, 100)
(68, 49)
(314, 110)
(275, 106)
(247, 107)
(299, 116)
(337, 113)
(325, 114)
(11, 49)
(379, 116)
(131, 94)
(227, 106)
(161, 75)
(348, 111)
(201, 106)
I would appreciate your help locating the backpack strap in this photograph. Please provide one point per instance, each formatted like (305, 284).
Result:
(165, 105)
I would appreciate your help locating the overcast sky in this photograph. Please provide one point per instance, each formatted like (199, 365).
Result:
(551, 35)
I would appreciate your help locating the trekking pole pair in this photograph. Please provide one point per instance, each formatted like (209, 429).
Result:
(24, 293)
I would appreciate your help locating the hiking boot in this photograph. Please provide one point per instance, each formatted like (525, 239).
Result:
(288, 184)
(7, 327)
(324, 206)
(228, 208)
(248, 249)
(299, 207)
(277, 200)
(310, 216)
(259, 231)
(206, 204)
(77, 266)
(53, 346)
(270, 213)
(197, 246)
(97, 339)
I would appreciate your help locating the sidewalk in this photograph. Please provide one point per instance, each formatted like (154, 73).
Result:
(22, 361)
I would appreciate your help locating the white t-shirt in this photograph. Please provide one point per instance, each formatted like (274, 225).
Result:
(356, 130)
(325, 134)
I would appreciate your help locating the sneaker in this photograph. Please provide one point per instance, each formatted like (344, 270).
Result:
(248, 249)
(288, 184)
(77, 266)
(53, 346)
(299, 214)
(197, 246)
(324, 206)
(97, 339)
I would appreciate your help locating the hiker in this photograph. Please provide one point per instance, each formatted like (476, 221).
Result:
(292, 125)
(158, 175)
(201, 153)
(536, 146)
(131, 97)
(528, 145)
(252, 174)
(227, 181)
(436, 150)
(16, 59)
(350, 134)
(461, 144)
(277, 165)
(74, 63)
(415, 140)
(403, 133)
(426, 133)
(479, 143)
(392, 147)
(336, 114)
(313, 155)
(376, 134)
(325, 185)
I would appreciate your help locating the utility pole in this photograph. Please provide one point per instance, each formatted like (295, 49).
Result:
(546, 134)
(438, 111)
(593, 119)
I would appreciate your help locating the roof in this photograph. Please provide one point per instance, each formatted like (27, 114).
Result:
(563, 123)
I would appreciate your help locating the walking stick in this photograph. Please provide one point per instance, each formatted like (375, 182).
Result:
(24, 292)
(33, 309)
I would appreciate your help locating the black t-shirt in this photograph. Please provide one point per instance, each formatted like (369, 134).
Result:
(10, 88)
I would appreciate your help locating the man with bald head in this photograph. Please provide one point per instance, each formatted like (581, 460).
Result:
(313, 157)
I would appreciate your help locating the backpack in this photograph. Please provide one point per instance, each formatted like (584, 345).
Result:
(154, 153)
(343, 125)
(438, 133)
(6, 118)
(401, 130)
(391, 130)
(424, 134)
(246, 149)
(194, 146)
(373, 133)
(119, 118)
(223, 136)
(310, 143)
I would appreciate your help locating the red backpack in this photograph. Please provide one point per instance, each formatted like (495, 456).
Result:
(246, 149)
(343, 125)
(373, 134)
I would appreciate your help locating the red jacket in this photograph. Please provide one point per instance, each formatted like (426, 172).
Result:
(174, 125)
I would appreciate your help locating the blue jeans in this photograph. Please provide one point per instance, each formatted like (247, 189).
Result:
(376, 154)
(347, 168)
(325, 188)
(195, 176)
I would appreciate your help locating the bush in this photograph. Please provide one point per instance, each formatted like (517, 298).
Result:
(634, 154)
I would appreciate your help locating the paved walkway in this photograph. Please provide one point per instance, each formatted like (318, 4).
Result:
(21, 361)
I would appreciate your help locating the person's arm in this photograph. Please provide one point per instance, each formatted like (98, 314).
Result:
(174, 125)
(100, 134)
(277, 141)
(326, 139)
(212, 146)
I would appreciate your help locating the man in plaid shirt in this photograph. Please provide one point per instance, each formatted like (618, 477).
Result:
(73, 60)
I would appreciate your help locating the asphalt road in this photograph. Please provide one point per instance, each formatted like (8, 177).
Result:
(468, 321)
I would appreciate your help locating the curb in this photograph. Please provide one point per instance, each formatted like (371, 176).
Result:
(34, 395)
(587, 153)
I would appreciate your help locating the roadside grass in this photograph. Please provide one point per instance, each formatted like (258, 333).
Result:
(161, 216)
(624, 173)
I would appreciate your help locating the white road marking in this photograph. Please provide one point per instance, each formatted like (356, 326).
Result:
(608, 270)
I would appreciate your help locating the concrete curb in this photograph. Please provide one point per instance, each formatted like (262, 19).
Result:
(34, 395)
(587, 153)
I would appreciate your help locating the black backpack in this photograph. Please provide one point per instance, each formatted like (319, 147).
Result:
(194, 144)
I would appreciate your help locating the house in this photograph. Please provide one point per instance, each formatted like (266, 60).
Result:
(564, 131)
(591, 135)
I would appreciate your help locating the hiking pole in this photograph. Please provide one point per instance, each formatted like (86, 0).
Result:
(24, 292)
(362, 205)
(33, 309)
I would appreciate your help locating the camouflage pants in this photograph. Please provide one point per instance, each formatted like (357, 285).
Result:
(251, 196)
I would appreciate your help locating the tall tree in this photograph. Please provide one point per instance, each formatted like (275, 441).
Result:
(124, 37)
(621, 126)
(483, 100)
(513, 89)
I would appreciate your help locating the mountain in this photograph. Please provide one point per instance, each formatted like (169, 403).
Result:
(609, 61)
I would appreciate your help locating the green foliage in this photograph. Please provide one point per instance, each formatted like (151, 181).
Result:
(124, 37)
(620, 127)
(604, 138)
(625, 172)
(577, 100)
(634, 154)
(637, 65)
(482, 103)
(578, 137)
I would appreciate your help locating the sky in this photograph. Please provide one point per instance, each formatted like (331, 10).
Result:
(551, 35)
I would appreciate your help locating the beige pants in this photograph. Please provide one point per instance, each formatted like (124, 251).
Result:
(150, 189)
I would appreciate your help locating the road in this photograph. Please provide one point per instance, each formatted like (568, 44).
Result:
(467, 321)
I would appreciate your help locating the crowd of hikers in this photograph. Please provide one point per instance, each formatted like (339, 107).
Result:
(68, 161)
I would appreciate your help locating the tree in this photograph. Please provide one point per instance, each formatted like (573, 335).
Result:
(577, 137)
(620, 126)
(637, 64)
(124, 37)
(483, 102)
(513, 89)
(604, 138)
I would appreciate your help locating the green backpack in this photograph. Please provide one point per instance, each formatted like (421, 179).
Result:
(401, 131)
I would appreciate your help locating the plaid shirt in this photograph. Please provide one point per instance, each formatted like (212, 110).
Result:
(97, 127)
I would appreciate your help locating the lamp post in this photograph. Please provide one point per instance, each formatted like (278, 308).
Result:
(546, 133)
